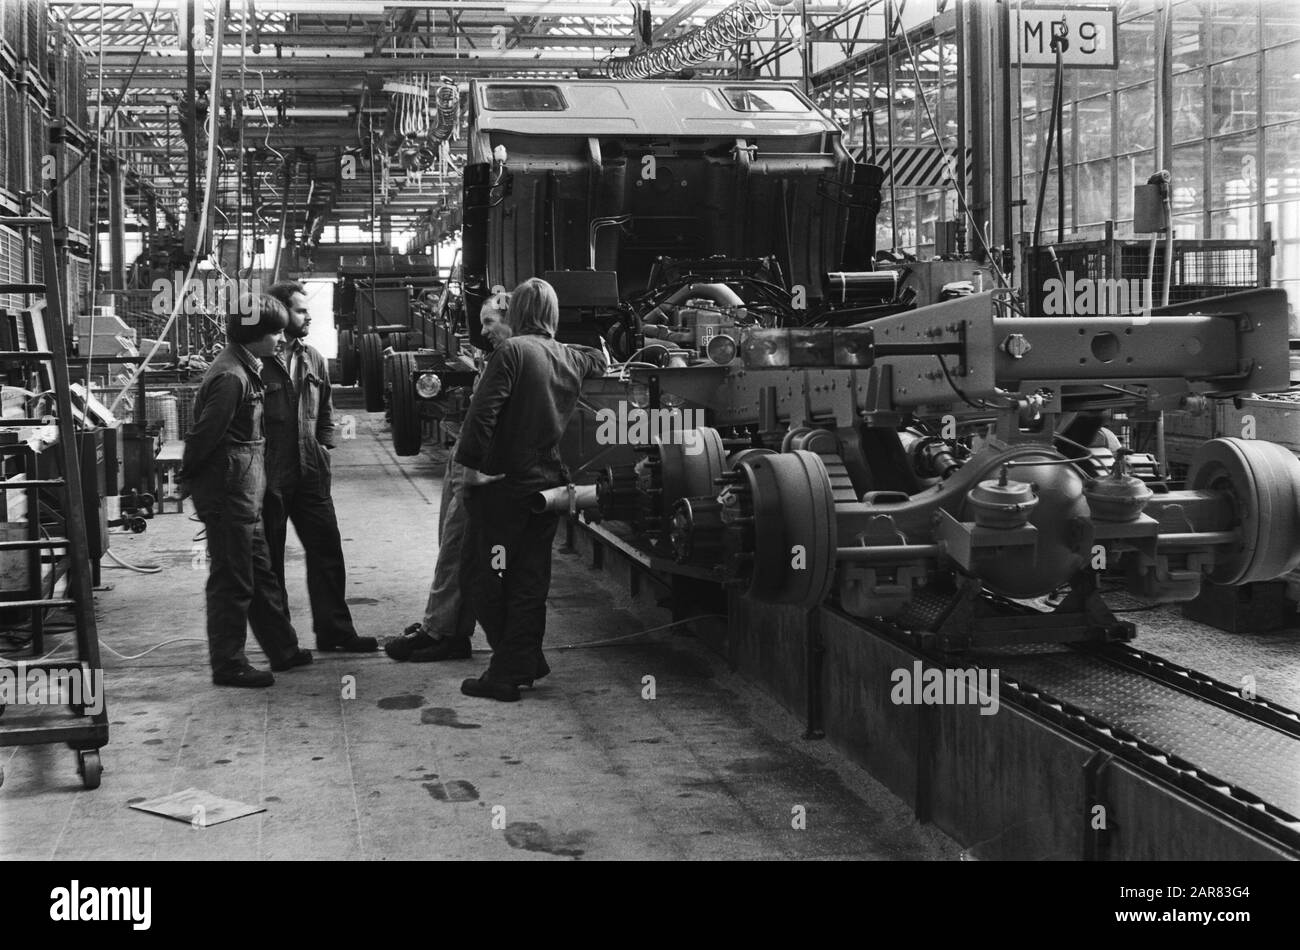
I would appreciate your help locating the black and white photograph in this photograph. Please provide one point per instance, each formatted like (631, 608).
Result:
(676, 431)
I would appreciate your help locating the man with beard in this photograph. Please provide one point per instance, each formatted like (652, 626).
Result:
(299, 437)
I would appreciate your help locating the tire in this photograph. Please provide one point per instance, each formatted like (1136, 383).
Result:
(347, 357)
(1263, 480)
(372, 371)
(406, 423)
(794, 505)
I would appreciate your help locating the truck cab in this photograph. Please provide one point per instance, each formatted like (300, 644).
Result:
(666, 214)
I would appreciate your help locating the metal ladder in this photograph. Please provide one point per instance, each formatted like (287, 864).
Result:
(83, 731)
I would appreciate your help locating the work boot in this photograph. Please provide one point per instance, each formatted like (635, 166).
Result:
(486, 688)
(247, 677)
(352, 644)
(413, 638)
(301, 658)
(543, 669)
(443, 648)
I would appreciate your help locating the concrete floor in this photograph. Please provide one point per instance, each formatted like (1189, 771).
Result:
(583, 767)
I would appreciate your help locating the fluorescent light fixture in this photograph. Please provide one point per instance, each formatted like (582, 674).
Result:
(325, 112)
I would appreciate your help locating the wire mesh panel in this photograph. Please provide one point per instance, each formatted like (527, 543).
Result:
(35, 34)
(76, 103)
(173, 409)
(162, 407)
(137, 309)
(1201, 268)
(8, 133)
(67, 76)
(10, 31)
(76, 276)
(185, 408)
(36, 132)
(70, 199)
(1217, 270)
(13, 265)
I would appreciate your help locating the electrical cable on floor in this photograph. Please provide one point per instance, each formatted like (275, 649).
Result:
(121, 656)
(567, 646)
(127, 565)
(55, 649)
(630, 636)
(17, 644)
(156, 646)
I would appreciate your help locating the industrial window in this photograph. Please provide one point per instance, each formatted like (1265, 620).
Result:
(748, 99)
(1234, 95)
(499, 98)
(1281, 67)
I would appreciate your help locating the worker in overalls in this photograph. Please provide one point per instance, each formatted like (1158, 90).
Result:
(299, 439)
(223, 470)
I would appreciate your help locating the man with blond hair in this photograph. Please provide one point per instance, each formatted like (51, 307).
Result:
(509, 446)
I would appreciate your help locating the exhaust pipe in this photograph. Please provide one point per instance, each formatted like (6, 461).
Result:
(567, 498)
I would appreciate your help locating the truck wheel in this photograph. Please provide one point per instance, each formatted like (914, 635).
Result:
(407, 431)
(372, 371)
(348, 357)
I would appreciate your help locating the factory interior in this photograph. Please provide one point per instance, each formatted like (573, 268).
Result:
(673, 430)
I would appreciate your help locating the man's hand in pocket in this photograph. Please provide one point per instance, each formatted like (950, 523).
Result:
(476, 479)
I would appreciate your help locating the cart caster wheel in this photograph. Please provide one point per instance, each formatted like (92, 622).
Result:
(89, 768)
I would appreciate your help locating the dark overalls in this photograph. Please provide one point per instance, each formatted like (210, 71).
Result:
(223, 467)
(525, 397)
(299, 426)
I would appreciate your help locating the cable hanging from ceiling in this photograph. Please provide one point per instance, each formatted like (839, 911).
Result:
(721, 32)
(423, 117)
(446, 101)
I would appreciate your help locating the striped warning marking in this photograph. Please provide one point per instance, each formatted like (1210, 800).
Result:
(918, 166)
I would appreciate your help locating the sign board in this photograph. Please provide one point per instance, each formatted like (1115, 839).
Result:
(1088, 34)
